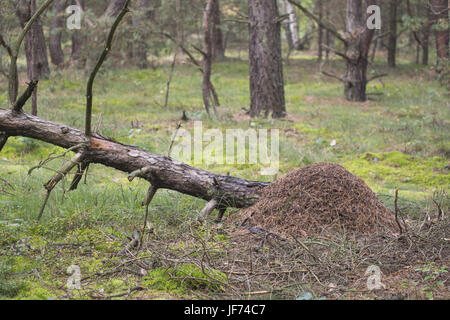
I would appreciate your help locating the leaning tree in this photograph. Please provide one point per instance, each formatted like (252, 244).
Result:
(89, 147)
(356, 39)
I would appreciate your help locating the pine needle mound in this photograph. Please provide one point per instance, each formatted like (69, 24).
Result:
(316, 199)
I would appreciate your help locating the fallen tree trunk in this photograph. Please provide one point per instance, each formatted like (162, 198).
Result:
(160, 171)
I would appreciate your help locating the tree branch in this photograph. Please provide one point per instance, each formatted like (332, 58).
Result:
(101, 59)
(3, 140)
(337, 52)
(18, 105)
(377, 77)
(13, 85)
(6, 46)
(334, 76)
(320, 22)
(183, 48)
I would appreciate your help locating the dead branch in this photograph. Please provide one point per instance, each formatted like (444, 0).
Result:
(334, 76)
(320, 22)
(397, 211)
(18, 105)
(150, 194)
(51, 184)
(99, 63)
(209, 208)
(169, 80)
(337, 52)
(3, 140)
(377, 77)
(5, 45)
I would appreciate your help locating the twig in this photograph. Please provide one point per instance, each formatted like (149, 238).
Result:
(209, 208)
(101, 59)
(397, 211)
(135, 240)
(150, 194)
(50, 185)
(169, 152)
(169, 80)
(126, 293)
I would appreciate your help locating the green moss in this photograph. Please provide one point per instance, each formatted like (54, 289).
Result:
(185, 277)
(34, 291)
(395, 169)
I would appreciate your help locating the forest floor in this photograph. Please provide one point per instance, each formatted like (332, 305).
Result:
(399, 139)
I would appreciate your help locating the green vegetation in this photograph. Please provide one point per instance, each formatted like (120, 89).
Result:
(399, 139)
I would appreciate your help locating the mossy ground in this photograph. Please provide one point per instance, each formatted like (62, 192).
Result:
(398, 139)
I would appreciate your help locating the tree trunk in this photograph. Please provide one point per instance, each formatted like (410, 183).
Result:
(140, 47)
(439, 10)
(266, 69)
(77, 42)
(286, 24)
(392, 40)
(207, 58)
(426, 37)
(114, 8)
(179, 8)
(327, 33)
(293, 25)
(56, 27)
(160, 171)
(320, 31)
(290, 24)
(218, 48)
(35, 47)
(358, 39)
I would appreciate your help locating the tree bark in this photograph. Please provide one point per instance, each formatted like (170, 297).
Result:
(439, 9)
(207, 57)
(140, 47)
(426, 36)
(35, 47)
(160, 171)
(290, 24)
(218, 48)
(266, 69)
(320, 31)
(357, 46)
(286, 23)
(76, 55)
(327, 33)
(56, 27)
(392, 39)
(357, 40)
(114, 8)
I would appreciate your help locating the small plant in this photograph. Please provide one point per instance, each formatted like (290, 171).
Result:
(8, 288)
(431, 278)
